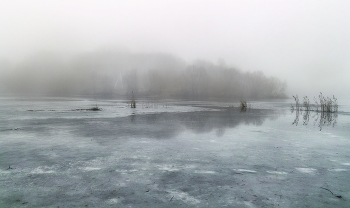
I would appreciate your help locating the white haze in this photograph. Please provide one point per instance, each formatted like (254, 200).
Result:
(303, 42)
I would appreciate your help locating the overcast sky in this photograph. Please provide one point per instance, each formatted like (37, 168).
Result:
(306, 43)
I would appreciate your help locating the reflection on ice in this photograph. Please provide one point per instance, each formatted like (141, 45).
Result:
(168, 125)
(320, 119)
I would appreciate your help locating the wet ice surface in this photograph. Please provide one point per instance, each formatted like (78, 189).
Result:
(169, 154)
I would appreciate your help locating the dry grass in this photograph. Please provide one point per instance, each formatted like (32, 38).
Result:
(322, 104)
(325, 110)
(243, 105)
(95, 109)
(133, 101)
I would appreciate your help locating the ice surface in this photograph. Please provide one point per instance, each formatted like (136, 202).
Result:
(169, 154)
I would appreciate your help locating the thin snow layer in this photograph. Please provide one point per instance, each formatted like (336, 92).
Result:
(183, 196)
(41, 170)
(90, 168)
(193, 157)
(277, 172)
(338, 169)
(113, 201)
(247, 171)
(306, 170)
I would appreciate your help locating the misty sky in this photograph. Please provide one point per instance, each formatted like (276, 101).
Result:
(306, 43)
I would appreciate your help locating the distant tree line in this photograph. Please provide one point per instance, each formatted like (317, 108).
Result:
(118, 73)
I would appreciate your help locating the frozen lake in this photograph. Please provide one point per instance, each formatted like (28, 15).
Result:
(54, 153)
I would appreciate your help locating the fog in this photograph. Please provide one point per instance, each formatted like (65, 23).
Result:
(112, 73)
(64, 46)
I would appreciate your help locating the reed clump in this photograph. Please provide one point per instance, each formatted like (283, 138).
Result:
(95, 109)
(133, 101)
(243, 105)
(322, 104)
(325, 109)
